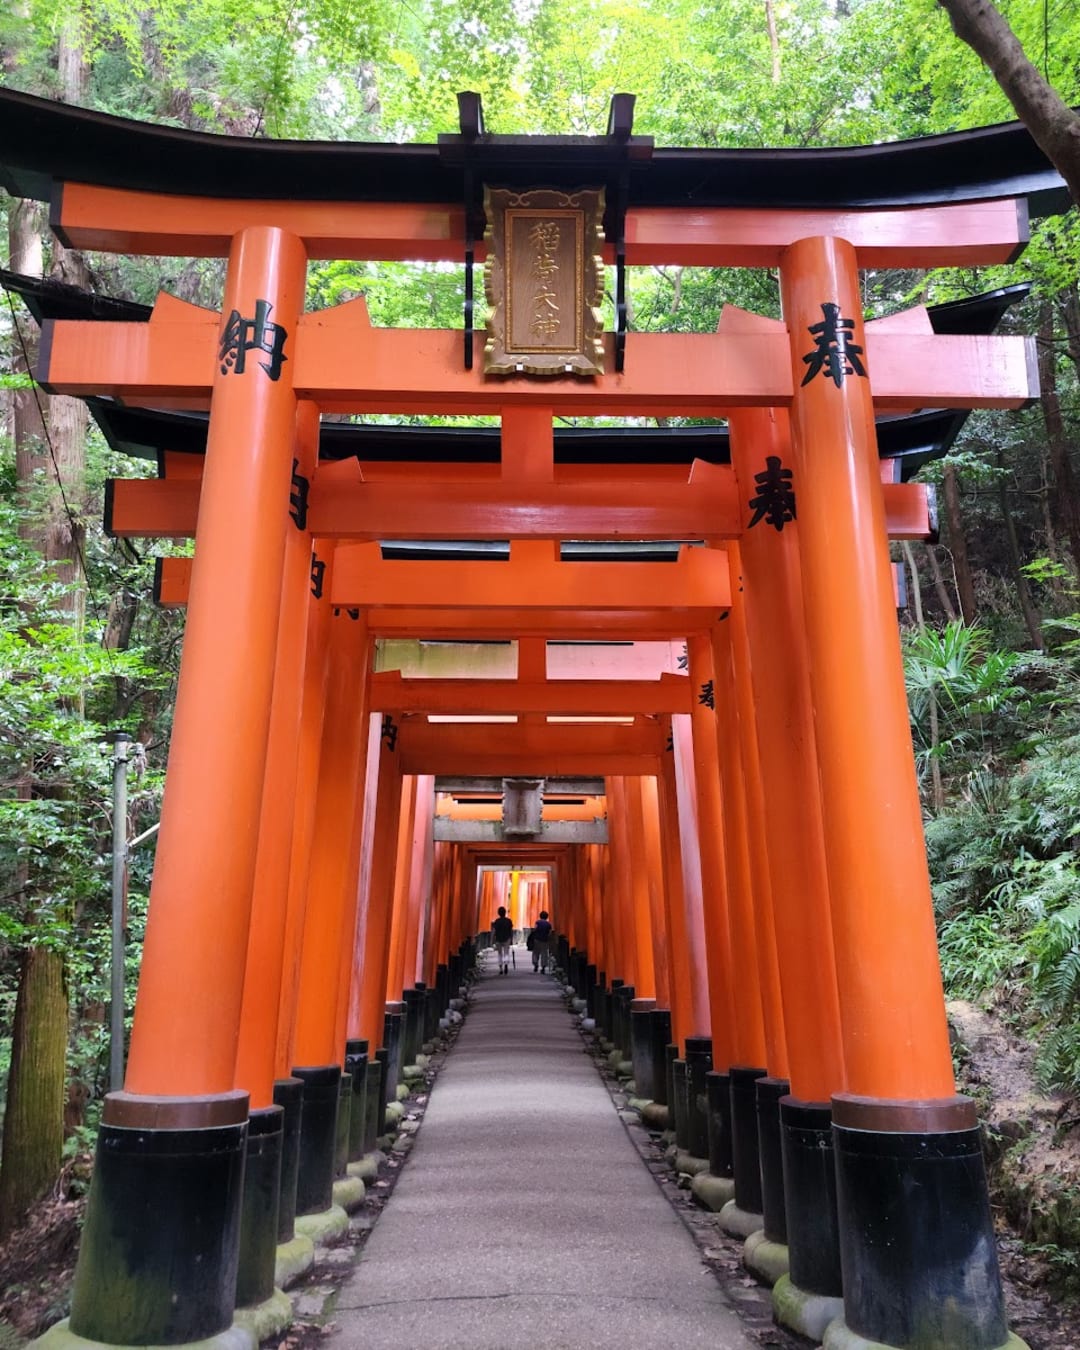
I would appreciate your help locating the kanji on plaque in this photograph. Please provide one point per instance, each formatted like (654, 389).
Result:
(544, 282)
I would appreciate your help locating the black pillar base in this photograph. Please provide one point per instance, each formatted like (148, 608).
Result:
(394, 1041)
(414, 1025)
(745, 1155)
(916, 1236)
(718, 1102)
(681, 1103)
(659, 1038)
(374, 1106)
(773, 1211)
(343, 1124)
(641, 1046)
(620, 1030)
(288, 1095)
(698, 1064)
(810, 1197)
(318, 1137)
(160, 1245)
(259, 1214)
(671, 1054)
(356, 1061)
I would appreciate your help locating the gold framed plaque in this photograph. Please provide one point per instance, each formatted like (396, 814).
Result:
(544, 281)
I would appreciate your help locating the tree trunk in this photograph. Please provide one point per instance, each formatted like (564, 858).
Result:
(34, 1117)
(1032, 621)
(1066, 505)
(50, 458)
(965, 585)
(944, 598)
(1054, 127)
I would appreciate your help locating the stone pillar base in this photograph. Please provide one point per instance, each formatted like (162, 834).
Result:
(807, 1314)
(839, 1336)
(738, 1222)
(766, 1259)
(349, 1193)
(320, 1228)
(266, 1319)
(294, 1258)
(713, 1192)
(61, 1337)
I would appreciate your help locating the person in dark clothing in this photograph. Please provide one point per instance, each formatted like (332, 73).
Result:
(502, 931)
(541, 942)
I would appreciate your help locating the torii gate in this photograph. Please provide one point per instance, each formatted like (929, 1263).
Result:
(814, 747)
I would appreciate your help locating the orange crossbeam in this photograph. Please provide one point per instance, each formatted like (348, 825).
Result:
(121, 221)
(557, 625)
(428, 508)
(533, 578)
(345, 365)
(391, 692)
(524, 748)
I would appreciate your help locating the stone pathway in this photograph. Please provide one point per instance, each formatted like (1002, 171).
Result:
(524, 1215)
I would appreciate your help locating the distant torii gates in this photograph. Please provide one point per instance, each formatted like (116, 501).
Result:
(766, 877)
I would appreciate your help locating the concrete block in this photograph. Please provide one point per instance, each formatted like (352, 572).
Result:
(367, 1167)
(60, 1337)
(839, 1336)
(686, 1162)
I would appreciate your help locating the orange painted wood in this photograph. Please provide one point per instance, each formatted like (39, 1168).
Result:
(657, 887)
(429, 747)
(959, 235)
(896, 1043)
(345, 365)
(399, 918)
(197, 930)
(742, 891)
(757, 835)
(379, 912)
(787, 753)
(335, 850)
(533, 578)
(686, 818)
(120, 221)
(528, 445)
(710, 838)
(263, 978)
(316, 676)
(708, 507)
(390, 692)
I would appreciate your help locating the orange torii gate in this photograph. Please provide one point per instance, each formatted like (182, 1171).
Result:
(821, 973)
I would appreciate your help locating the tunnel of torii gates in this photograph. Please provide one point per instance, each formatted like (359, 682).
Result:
(614, 674)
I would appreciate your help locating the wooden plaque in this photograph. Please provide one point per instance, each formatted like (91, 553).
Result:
(544, 281)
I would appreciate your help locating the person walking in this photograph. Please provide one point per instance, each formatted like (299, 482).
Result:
(502, 931)
(541, 942)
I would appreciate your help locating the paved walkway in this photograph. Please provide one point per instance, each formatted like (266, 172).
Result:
(524, 1215)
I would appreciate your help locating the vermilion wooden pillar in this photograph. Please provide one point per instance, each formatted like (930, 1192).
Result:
(256, 1051)
(399, 921)
(749, 1017)
(376, 948)
(330, 913)
(909, 1170)
(187, 1013)
(641, 891)
(686, 818)
(658, 900)
(313, 711)
(689, 1005)
(725, 1048)
(786, 743)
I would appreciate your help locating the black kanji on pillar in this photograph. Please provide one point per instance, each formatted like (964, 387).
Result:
(241, 336)
(834, 352)
(298, 497)
(775, 499)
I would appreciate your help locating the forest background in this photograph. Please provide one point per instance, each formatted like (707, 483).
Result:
(992, 629)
